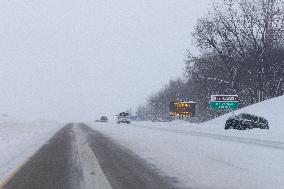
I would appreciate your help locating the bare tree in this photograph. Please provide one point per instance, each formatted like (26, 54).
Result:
(242, 52)
(246, 35)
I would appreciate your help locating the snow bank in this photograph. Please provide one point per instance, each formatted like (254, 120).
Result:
(272, 110)
(19, 141)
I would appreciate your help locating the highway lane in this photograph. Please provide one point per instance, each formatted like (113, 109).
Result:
(78, 157)
(53, 166)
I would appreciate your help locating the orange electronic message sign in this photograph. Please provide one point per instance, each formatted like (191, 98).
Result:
(182, 108)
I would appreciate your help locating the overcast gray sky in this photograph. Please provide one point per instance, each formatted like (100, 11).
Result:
(74, 60)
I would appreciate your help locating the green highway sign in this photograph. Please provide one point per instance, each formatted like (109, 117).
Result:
(224, 105)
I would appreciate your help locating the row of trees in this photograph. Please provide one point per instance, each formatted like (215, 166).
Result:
(242, 52)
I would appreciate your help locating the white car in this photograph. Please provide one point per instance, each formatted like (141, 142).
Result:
(123, 117)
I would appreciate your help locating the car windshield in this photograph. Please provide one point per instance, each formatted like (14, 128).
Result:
(246, 116)
(141, 94)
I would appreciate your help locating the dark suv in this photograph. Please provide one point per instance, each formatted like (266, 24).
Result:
(246, 121)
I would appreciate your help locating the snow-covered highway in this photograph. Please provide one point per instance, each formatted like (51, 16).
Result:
(79, 157)
(107, 155)
(145, 154)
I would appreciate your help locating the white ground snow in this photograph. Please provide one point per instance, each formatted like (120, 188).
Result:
(207, 156)
(19, 141)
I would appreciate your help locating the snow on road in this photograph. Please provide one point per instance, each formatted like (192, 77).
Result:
(207, 156)
(19, 141)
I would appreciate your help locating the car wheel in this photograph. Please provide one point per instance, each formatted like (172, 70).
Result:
(226, 127)
(230, 127)
(246, 127)
(241, 127)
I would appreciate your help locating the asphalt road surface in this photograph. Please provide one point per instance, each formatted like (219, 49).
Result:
(78, 157)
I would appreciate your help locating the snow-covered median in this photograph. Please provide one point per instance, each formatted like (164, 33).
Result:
(207, 156)
(19, 141)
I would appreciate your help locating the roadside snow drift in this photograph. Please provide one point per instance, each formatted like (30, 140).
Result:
(19, 141)
(272, 110)
(205, 155)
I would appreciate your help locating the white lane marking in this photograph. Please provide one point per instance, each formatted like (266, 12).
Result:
(93, 175)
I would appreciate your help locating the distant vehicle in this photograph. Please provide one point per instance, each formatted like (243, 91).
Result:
(246, 121)
(123, 117)
(102, 119)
